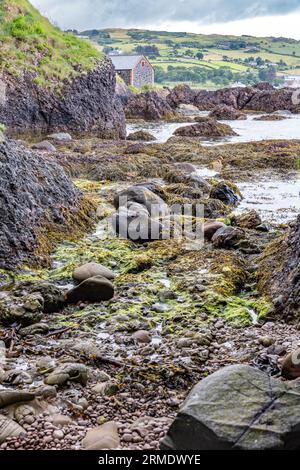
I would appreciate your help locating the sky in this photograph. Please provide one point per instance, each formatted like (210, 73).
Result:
(237, 17)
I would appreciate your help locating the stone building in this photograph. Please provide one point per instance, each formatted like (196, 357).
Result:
(135, 70)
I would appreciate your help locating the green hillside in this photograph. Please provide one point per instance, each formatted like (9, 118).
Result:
(210, 60)
(28, 41)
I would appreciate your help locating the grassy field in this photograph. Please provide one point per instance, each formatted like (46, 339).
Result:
(29, 42)
(219, 52)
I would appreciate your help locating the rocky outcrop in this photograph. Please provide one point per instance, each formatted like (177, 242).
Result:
(279, 273)
(239, 408)
(207, 128)
(262, 97)
(226, 113)
(36, 197)
(83, 104)
(150, 106)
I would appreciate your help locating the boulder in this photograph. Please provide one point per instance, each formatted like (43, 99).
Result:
(136, 225)
(187, 110)
(186, 167)
(249, 220)
(214, 208)
(270, 117)
(141, 195)
(290, 367)
(208, 128)
(227, 237)
(84, 272)
(181, 94)
(239, 408)
(142, 336)
(45, 146)
(142, 136)
(225, 193)
(68, 372)
(149, 106)
(10, 397)
(24, 309)
(9, 429)
(60, 137)
(52, 295)
(210, 228)
(102, 437)
(226, 113)
(95, 289)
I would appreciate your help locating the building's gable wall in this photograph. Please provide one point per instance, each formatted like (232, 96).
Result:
(143, 74)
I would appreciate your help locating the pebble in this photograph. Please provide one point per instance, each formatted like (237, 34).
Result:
(58, 434)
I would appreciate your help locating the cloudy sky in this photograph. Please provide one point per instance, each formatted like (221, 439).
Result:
(258, 18)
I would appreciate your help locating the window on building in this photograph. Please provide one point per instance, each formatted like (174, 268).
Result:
(143, 63)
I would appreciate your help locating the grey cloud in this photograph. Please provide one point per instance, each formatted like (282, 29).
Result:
(83, 14)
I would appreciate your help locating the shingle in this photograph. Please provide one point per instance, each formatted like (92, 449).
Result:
(125, 62)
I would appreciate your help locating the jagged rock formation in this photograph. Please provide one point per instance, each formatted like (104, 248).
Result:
(150, 106)
(279, 273)
(85, 103)
(36, 198)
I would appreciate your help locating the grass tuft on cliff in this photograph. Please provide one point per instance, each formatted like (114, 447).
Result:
(30, 43)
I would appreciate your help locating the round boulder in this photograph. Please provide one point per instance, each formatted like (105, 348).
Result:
(225, 193)
(210, 228)
(84, 272)
(45, 146)
(227, 237)
(95, 289)
(143, 136)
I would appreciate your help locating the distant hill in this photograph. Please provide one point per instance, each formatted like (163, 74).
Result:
(205, 60)
(28, 41)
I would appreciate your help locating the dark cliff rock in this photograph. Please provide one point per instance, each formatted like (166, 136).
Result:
(150, 106)
(36, 198)
(279, 273)
(84, 104)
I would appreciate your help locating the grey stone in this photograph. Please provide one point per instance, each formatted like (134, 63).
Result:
(84, 272)
(238, 407)
(94, 289)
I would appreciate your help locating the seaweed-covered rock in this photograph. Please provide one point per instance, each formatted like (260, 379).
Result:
(141, 195)
(207, 128)
(238, 407)
(25, 309)
(279, 273)
(250, 220)
(142, 136)
(227, 237)
(270, 117)
(35, 195)
(210, 228)
(224, 193)
(227, 113)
